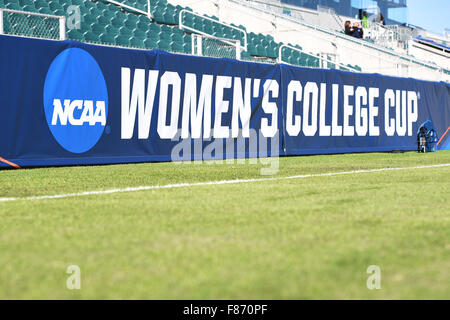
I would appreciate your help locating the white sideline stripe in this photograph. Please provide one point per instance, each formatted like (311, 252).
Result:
(208, 183)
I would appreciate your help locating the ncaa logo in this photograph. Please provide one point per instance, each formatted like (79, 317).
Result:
(75, 100)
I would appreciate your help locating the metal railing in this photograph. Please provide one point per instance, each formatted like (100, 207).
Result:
(123, 5)
(388, 36)
(16, 22)
(324, 62)
(181, 25)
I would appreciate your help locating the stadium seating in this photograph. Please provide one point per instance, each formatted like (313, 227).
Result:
(106, 23)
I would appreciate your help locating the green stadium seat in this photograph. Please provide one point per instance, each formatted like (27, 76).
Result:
(198, 26)
(187, 38)
(126, 31)
(143, 3)
(122, 40)
(63, 4)
(315, 62)
(58, 11)
(152, 35)
(108, 14)
(304, 59)
(218, 28)
(176, 37)
(295, 61)
(177, 46)
(29, 8)
(164, 35)
(96, 12)
(154, 28)
(40, 4)
(89, 5)
(74, 34)
(107, 38)
(150, 44)
(142, 26)
(207, 23)
(158, 15)
(110, 29)
(177, 30)
(132, 18)
(228, 33)
(187, 48)
(101, 20)
(169, 18)
(103, 6)
(166, 28)
(78, 2)
(117, 22)
(24, 2)
(144, 19)
(130, 24)
(137, 43)
(89, 19)
(208, 29)
(45, 10)
(261, 51)
(164, 45)
(252, 50)
(262, 42)
(98, 29)
(187, 19)
(271, 52)
(13, 6)
(139, 34)
(91, 37)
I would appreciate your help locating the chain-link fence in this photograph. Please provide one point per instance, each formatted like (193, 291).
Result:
(214, 47)
(29, 24)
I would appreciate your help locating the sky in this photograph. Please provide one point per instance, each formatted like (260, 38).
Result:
(432, 15)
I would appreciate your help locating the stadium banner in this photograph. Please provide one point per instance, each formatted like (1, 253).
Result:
(70, 103)
(329, 111)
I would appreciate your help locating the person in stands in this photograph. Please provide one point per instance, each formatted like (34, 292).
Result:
(357, 31)
(348, 28)
(382, 19)
(365, 20)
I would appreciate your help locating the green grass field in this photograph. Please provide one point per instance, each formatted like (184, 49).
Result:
(305, 238)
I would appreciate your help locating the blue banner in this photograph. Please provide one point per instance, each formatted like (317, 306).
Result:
(69, 103)
(329, 111)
